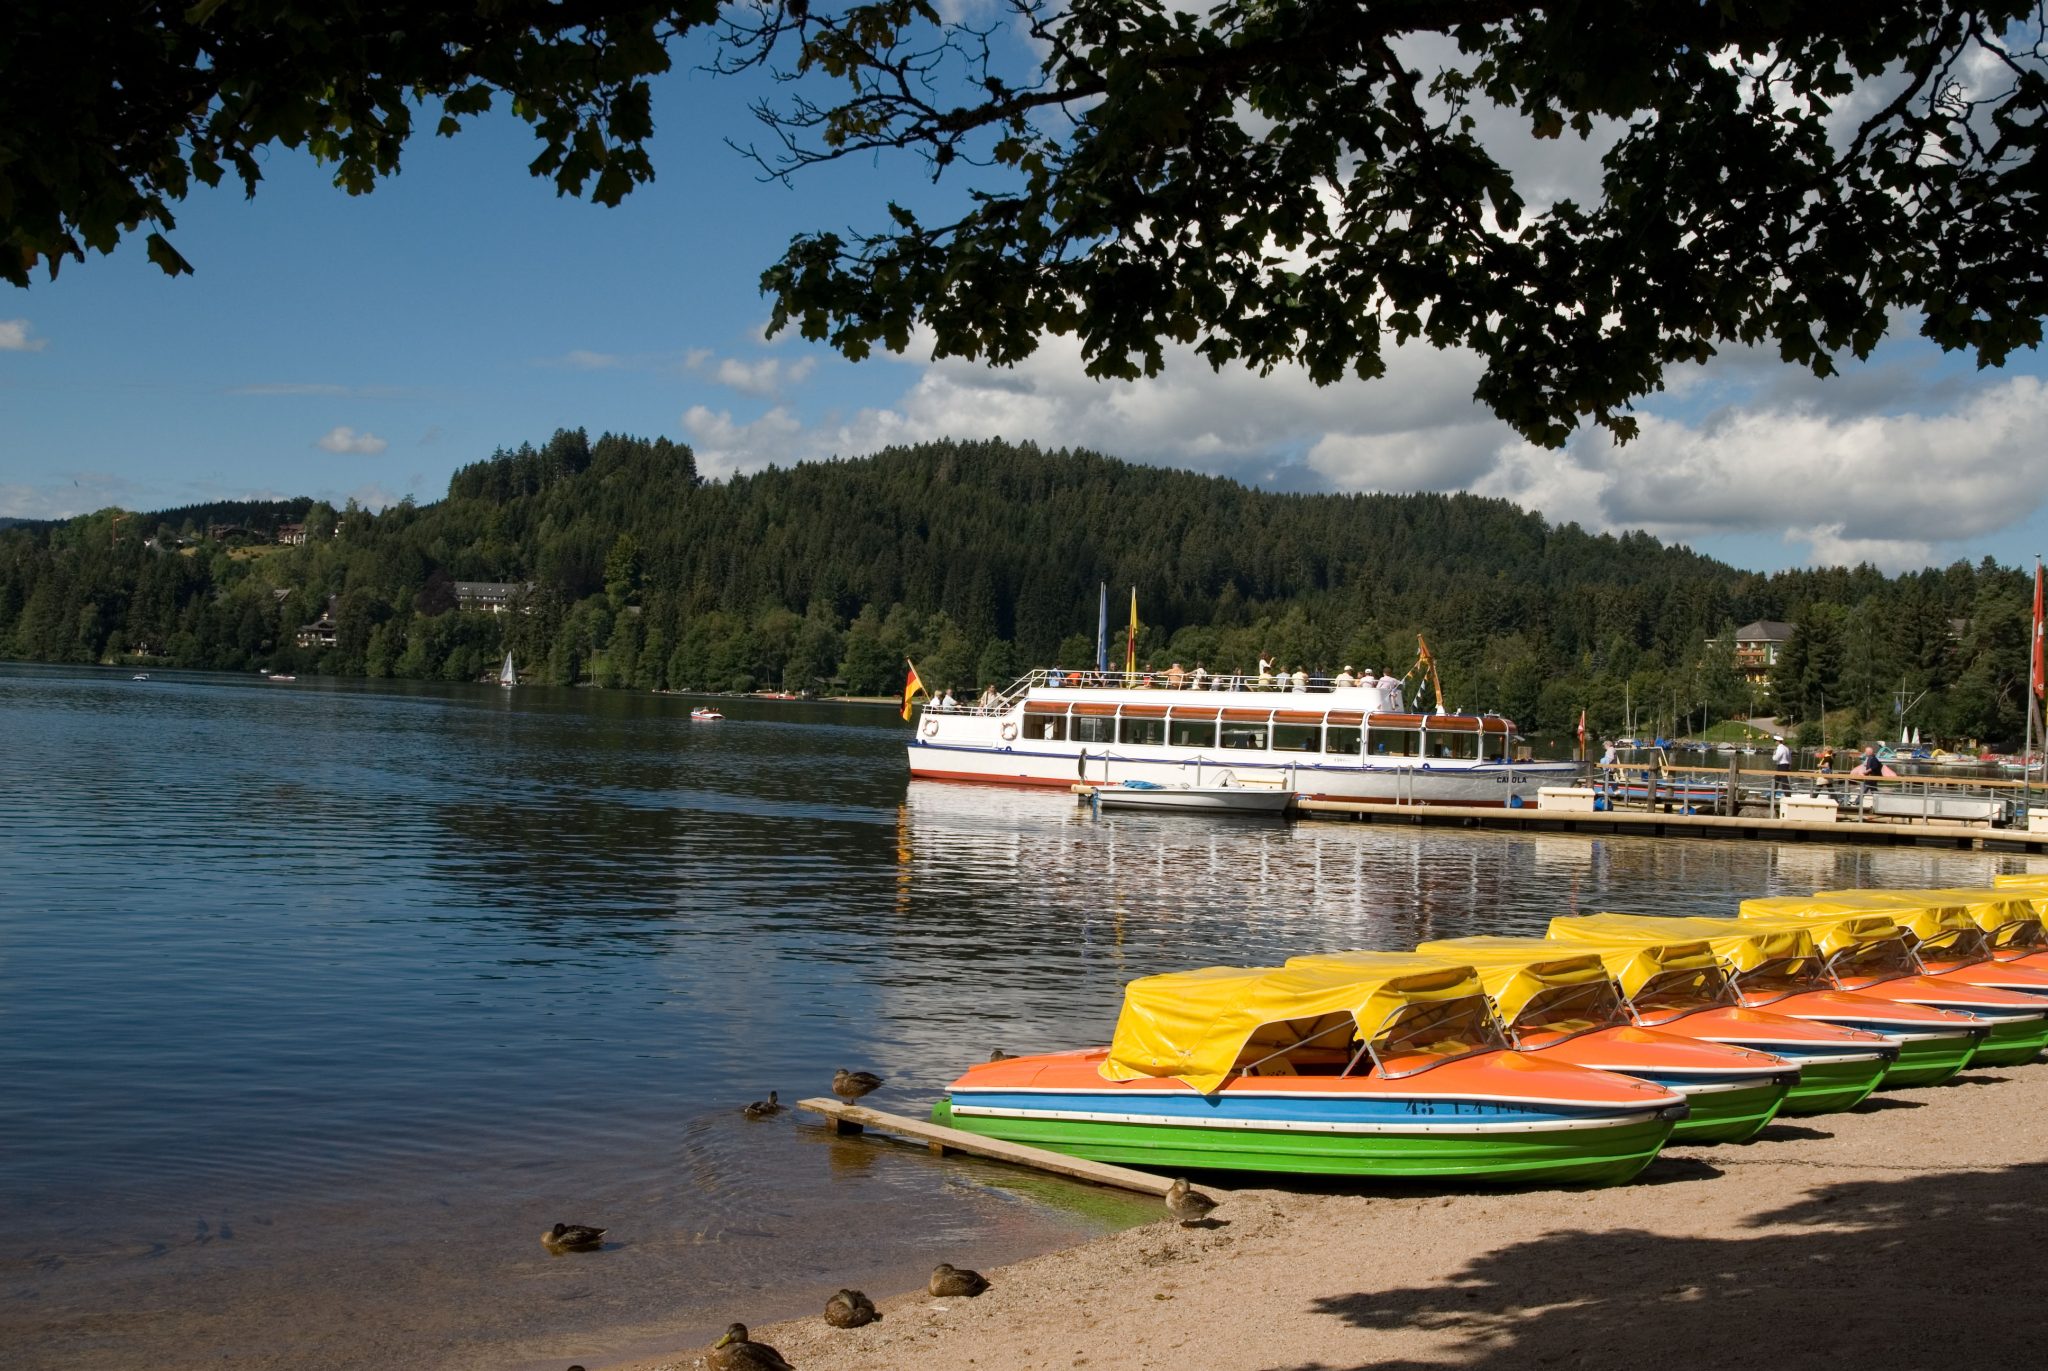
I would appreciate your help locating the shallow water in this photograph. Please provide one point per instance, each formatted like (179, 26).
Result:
(318, 1001)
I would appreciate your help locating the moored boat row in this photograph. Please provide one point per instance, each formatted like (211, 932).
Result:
(1573, 1057)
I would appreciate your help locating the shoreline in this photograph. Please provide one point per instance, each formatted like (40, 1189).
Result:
(1838, 1236)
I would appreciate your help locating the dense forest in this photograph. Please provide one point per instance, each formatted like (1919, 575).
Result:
(980, 559)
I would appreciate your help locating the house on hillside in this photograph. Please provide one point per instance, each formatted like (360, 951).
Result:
(291, 535)
(489, 597)
(324, 631)
(1757, 646)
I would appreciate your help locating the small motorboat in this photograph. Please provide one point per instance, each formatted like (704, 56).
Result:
(704, 714)
(1222, 797)
(280, 676)
(1387, 1070)
(140, 676)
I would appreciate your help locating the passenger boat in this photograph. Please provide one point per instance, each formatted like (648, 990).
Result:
(1384, 1071)
(1330, 743)
(1679, 987)
(1883, 961)
(1783, 970)
(1564, 1006)
(1221, 798)
(705, 713)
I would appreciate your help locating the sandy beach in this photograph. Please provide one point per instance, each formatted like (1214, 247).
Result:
(1880, 1238)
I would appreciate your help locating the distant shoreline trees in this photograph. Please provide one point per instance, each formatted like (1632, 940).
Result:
(981, 559)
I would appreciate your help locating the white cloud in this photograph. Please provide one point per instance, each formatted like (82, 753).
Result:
(14, 337)
(764, 376)
(342, 438)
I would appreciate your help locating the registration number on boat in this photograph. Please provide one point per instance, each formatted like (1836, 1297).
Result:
(1456, 1108)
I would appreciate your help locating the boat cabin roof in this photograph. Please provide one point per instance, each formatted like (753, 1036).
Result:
(1511, 983)
(1743, 945)
(1199, 1026)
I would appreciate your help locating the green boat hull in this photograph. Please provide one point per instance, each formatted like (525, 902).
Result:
(1929, 1061)
(2012, 1042)
(1827, 1087)
(1725, 1116)
(1587, 1156)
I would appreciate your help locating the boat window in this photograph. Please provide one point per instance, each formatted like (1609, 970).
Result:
(1779, 977)
(1418, 1036)
(1297, 737)
(1394, 742)
(1192, 732)
(1141, 732)
(1345, 741)
(1879, 960)
(1453, 746)
(2018, 933)
(1045, 724)
(1673, 994)
(1321, 1045)
(1242, 735)
(1569, 1009)
(1094, 729)
(1954, 945)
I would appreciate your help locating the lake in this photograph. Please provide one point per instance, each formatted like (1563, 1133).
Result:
(320, 1000)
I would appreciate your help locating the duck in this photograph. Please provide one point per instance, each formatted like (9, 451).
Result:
(851, 1085)
(998, 1055)
(737, 1352)
(953, 1280)
(762, 1109)
(572, 1237)
(1189, 1206)
(851, 1309)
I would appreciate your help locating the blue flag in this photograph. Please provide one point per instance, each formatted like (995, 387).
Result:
(1102, 630)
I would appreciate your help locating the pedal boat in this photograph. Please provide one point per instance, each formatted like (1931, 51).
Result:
(2010, 917)
(1959, 933)
(1784, 970)
(1679, 988)
(2019, 1020)
(1393, 1072)
(1563, 1006)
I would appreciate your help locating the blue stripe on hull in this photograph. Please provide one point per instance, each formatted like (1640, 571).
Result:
(1233, 1108)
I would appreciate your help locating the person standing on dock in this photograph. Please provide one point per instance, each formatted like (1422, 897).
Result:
(1781, 762)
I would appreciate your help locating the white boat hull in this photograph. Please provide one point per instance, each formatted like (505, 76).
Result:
(1207, 799)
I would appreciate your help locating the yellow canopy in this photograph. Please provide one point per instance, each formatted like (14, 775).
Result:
(1930, 916)
(1511, 981)
(1631, 964)
(1198, 1026)
(2026, 880)
(1742, 946)
(2011, 916)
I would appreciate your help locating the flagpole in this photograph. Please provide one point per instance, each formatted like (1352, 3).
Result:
(2034, 684)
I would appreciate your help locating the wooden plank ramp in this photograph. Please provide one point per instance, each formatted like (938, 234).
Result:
(853, 1118)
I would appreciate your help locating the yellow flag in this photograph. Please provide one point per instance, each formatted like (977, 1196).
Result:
(1131, 643)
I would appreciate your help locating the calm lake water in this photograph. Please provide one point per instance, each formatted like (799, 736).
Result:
(319, 1001)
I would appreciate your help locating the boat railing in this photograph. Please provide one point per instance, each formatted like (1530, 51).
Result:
(1272, 683)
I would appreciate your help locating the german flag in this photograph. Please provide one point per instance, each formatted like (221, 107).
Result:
(912, 687)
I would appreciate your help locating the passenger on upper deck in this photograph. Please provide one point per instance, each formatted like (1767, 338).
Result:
(1345, 680)
(1175, 677)
(1300, 681)
(1265, 681)
(1200, 678)
(990, 701)
(1055, 678)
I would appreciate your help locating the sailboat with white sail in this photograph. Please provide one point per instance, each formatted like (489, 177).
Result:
(507, 676)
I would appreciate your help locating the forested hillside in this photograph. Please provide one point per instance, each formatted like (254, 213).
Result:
(978, 560)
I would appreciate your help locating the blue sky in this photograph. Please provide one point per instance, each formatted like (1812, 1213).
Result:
(367, 346)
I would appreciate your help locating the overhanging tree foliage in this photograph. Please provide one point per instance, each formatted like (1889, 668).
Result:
(1269, 181)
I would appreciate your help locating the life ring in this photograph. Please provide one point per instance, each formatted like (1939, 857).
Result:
(1009, 730)
(931, 728)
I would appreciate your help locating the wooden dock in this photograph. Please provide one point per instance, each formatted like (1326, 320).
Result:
(1653, 824)
(854, 1118)
(1649, 822)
